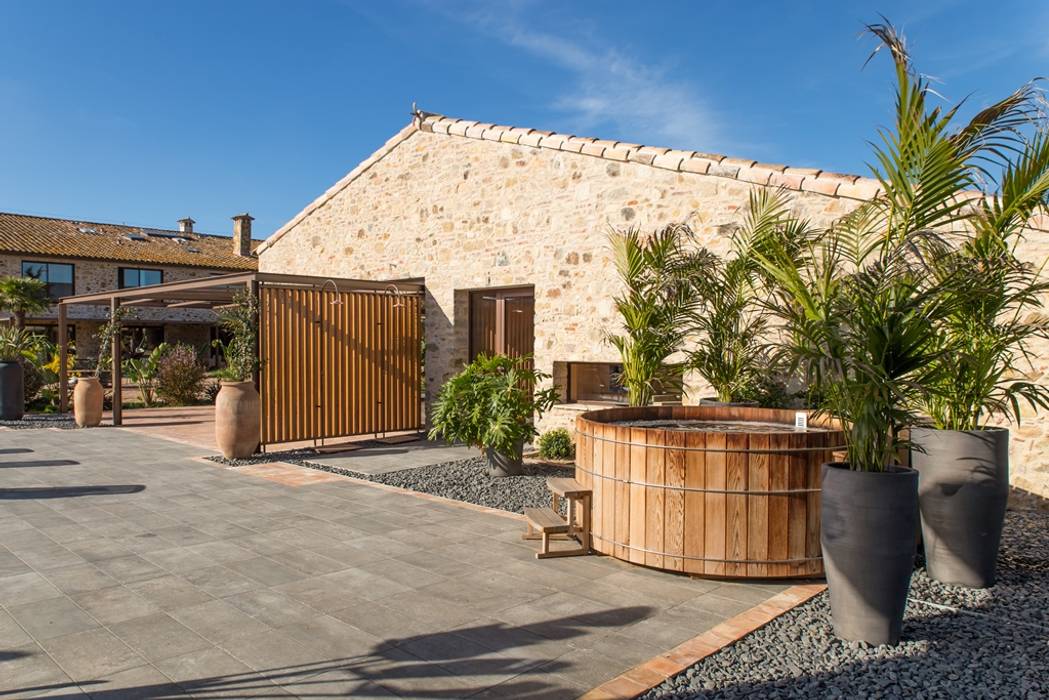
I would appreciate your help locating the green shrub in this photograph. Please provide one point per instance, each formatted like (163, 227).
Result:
(180, 376)
(491, 404)
(34, 379)
(556, 444)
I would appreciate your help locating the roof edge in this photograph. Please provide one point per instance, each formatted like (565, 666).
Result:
(823, 182)
(342, 184)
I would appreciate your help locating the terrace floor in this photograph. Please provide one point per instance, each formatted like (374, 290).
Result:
(129, 569)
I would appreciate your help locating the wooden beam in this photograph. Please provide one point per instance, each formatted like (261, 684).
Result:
(140, 302)
(63, 355)
(118, 393)
(191, 304)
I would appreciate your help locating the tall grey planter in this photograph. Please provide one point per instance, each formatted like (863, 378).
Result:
(963, 489)
(12, 391)
(867, 535)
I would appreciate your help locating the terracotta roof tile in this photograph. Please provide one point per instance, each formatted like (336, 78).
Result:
(36, 235)
(699, 163)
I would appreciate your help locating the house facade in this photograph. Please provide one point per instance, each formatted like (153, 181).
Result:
(507, 227)
(78, 257)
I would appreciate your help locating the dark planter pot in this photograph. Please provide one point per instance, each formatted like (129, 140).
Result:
(12, 391)
(501, 465)
(867, 534)
(963, 488)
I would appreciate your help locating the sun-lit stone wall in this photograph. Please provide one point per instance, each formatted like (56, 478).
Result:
(467, 213)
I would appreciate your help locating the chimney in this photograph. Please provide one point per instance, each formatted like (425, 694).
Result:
(242, 234)
(186, 225)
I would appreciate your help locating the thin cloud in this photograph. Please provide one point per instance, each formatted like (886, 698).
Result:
(611, 91)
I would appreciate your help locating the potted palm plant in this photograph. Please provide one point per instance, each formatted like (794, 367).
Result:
(730, 319)
(858, 307)
(963, 462)
(657, 298)
(237, 406)
(493, 405)
(22, 296)
(88, 396)
(15, 344)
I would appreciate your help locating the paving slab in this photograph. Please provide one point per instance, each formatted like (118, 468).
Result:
(128, 568)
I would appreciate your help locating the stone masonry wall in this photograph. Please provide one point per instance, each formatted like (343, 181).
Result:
(467, 213)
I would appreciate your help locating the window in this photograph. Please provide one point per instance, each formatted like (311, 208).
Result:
(502, 321)
(57, 276)
(598, 382)
(137, 277)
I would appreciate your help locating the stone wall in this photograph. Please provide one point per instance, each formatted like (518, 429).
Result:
(468, 211)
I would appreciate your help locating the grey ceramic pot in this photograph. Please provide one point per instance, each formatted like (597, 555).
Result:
(12, 391)
(963, 489)
(501, 465)
(867, 536)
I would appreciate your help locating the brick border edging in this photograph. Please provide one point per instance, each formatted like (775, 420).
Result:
(651, 673)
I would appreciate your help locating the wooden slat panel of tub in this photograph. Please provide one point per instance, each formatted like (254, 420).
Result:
(714, 506)
(797, 539)
(736, 472)
(621, 531)
(655, 518)
(779, 480)
(695, 501)
(638, 475)
(674, 501)
(758, 506)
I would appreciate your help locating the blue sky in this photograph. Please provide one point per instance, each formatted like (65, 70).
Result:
(145, 112)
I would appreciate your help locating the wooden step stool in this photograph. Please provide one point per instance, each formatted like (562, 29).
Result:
(544, 522)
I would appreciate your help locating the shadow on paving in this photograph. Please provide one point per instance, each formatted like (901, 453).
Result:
(449, 655)
(39, 463)
(15, 451)
(35, 492)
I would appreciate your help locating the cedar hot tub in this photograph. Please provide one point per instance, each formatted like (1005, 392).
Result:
(719, 491)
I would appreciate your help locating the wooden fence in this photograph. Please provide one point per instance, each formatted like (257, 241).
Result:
(338, 363)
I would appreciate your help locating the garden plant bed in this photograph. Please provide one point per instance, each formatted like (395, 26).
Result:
(39, 421)
(957, 642)
(466, 480)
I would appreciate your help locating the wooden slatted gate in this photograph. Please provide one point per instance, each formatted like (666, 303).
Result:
(338, 363)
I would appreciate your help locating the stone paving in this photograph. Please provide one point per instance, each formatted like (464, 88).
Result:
(129, 569)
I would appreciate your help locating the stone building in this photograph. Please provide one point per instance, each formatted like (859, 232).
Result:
(508, 224)
(79, 257)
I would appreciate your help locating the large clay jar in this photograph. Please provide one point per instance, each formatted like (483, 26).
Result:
(87, 402)
(237, 419)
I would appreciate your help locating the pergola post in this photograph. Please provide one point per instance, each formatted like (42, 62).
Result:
(118, 393)
(63, 355)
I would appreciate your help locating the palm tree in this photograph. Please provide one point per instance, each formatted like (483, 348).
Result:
(655, 303)
(731, 320)
(22, 296)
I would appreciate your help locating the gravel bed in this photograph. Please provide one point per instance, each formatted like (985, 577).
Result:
(467, 480)
(957, 642)
(38, 421)
(282, 456)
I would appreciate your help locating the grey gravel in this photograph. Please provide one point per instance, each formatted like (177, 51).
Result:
(264, 457)
(38, 421)
(957, 642)
(468, 480)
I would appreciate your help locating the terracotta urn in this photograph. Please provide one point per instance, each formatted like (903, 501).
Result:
(237, 419)
(87, 402)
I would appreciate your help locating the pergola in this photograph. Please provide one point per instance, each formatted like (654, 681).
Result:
(219, 290)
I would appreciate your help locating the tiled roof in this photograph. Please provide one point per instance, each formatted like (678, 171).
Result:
(36, 235)
(775, 175)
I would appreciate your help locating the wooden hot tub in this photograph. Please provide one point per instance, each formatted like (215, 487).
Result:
(715, 491)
